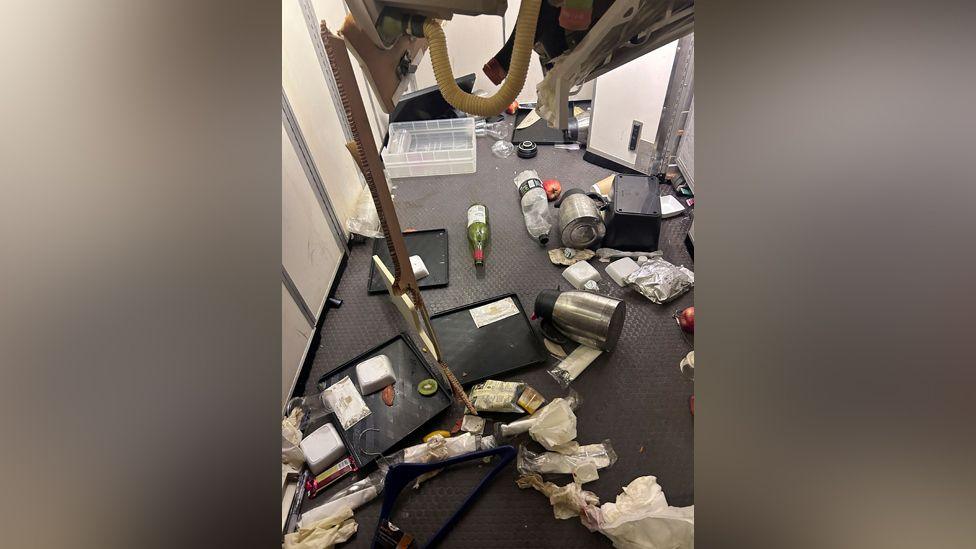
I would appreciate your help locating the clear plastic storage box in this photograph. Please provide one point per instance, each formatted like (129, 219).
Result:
(431, 147)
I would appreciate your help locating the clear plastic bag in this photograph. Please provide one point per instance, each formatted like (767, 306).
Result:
(353, 496)
(364, 219)
(583, 464)
(500, 130)
(438, 448)
(504, 431)
(573, 365)
(497, 396)
(346, 402)
(502, 149)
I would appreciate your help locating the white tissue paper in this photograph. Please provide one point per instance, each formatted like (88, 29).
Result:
(567, 501)
(323, 533)
(641, 518)
(291, 438)
(555, 428)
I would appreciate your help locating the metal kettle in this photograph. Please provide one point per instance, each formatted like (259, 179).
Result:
(587, 318)
(580, 222)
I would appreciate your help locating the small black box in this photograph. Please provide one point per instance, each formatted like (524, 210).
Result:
(634, 217)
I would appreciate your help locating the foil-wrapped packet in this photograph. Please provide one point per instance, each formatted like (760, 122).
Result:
(660, 281)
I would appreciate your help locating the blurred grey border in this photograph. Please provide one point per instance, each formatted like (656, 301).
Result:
(835, 212)
(140, 340)
(140, 239)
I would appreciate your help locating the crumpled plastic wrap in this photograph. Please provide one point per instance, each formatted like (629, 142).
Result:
(660, 281)
(500, 130)
(439, 448)
(497, 396)
(606, 254)
(555, 427)
(291, 437)
(364, 219)
(567, 501)
(353, 497)
(641, 518)
(583, 464)
(504, 431)
(502, 149)
(323, 533)
(573, 365)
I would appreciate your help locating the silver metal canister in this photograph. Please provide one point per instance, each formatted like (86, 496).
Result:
(591, 319)
(580, 222)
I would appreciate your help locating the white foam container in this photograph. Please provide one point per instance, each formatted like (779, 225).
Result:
(619, 269)
(374, 374)
(322, 448)
(579, 273)
(431, 147)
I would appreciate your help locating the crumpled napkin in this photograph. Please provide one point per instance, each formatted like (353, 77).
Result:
(567, 501)
(323, 534)
(556, 427)
(641, 518)
(291, 437)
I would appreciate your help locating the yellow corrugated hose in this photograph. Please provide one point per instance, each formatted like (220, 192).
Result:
(517, 70)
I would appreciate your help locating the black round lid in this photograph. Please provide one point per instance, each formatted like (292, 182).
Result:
(545, 302)
(526, 149)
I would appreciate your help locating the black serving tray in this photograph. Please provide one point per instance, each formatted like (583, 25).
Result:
(429, 244)
(410, 409)
(475, 354)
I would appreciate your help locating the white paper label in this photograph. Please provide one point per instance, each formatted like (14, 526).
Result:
(493, 312)
(477, 214)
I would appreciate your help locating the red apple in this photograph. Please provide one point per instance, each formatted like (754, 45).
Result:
(686, 319)
(553, 188)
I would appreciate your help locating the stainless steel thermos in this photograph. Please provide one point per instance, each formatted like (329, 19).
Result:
(587, 318)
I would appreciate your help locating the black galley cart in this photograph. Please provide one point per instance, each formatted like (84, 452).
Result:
(634, 217)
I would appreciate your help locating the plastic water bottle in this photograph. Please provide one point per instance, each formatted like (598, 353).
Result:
(535, 205)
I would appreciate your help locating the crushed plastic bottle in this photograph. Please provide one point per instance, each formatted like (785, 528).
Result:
(535, 205)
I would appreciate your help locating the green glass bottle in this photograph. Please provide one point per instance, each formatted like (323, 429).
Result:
(478, 233)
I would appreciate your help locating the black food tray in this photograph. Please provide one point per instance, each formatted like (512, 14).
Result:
(475, 354)
(410, 409)
(429, 244)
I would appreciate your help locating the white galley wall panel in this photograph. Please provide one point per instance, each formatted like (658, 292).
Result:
(308, 93)
(309, 250)
(632, 91)
(296, 333)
